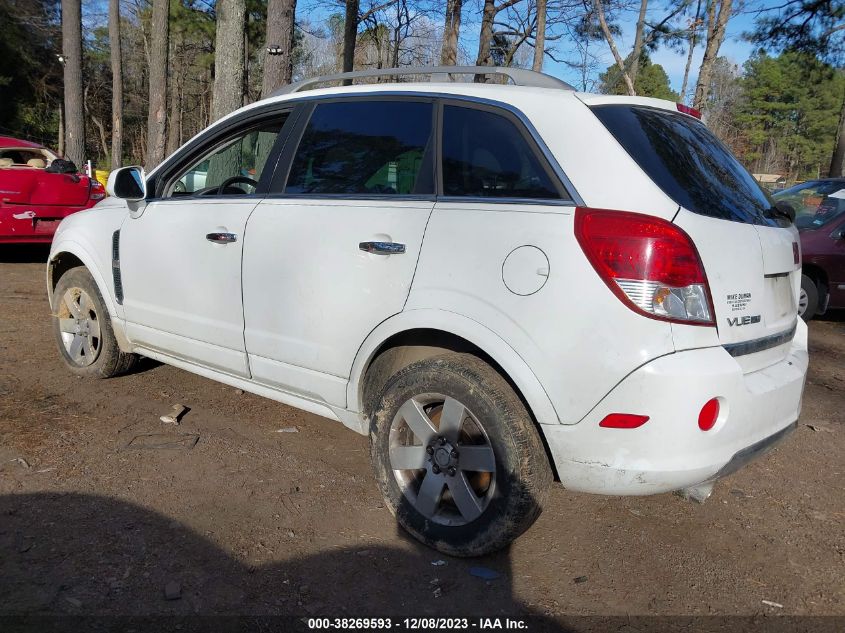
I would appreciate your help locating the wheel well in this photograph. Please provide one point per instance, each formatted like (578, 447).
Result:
(819, 278)
(402, 349)
(59, 265)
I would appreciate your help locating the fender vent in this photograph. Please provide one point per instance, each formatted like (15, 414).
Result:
(115, 267)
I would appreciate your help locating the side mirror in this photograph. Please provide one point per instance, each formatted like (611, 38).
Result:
(128, 183)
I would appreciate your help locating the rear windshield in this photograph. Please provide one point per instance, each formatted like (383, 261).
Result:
(688, 163)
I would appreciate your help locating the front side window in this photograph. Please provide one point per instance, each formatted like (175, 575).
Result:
(485, 155)
(364, 148)
(233, 167)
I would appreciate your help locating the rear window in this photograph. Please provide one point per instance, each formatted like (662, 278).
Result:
(486, 156)
(688, 163)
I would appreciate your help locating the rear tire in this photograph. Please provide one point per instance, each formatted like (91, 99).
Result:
(476, 473)
(82, 328)
(808, 302)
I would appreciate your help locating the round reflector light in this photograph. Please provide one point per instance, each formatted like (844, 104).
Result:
(709, 414)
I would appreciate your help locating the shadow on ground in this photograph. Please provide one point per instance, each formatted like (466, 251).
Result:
(76, 554)
(75, 562)
(834, 316)
(24, 253)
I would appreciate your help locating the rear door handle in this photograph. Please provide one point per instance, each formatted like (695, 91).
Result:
(221, 238)
(382, 248)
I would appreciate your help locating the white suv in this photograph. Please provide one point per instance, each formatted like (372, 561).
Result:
(501, 285)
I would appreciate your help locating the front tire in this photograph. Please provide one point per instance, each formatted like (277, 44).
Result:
(808, 300)
(457, 456)
(82, 328)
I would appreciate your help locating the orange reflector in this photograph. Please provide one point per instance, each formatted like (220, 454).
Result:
(623, 421)
(709, 414)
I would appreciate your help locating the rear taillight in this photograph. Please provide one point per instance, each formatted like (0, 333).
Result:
(649, 263)
(98, 192)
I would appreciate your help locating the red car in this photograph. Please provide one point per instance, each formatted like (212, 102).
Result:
(37, 190)
(820, 218)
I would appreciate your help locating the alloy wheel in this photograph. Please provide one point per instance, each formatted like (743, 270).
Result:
(79, 324)
(803, 302)
(442, 459)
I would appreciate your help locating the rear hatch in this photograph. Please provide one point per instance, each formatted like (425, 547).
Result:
(32, 186)
(749, 250)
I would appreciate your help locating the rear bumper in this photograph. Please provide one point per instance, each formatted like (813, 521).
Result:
(25, 224)
(758, 449)
(670, 451)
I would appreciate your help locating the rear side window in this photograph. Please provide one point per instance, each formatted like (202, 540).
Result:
(688, 163)
(485, 155)
(365, 148)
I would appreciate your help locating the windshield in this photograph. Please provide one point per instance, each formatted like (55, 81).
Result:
(688, 163)
(816, 203)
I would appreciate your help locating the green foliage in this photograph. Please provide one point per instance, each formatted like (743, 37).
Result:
(789, 111)
(652, 81)
(29, 69)
(816, 27)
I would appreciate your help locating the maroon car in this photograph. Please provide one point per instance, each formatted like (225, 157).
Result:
(37, 190)
(820, 217)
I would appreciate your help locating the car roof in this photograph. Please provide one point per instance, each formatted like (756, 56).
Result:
(809, 181)
(493, 92)
(503, 93)
(7, 142)
(499, 91)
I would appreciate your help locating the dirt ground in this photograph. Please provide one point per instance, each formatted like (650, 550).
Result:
(105, 510)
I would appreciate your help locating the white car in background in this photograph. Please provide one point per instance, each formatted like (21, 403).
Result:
(501, 285)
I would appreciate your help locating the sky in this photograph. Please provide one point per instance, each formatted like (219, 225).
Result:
(673, 61)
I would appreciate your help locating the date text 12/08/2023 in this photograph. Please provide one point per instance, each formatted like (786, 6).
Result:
(415, 624)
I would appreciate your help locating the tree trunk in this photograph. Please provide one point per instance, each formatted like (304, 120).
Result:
(61, 140)
(228, 58)
(692, 38)
(540, 40)
(451, 33)
(350, 34)
(837, 163)
(401, 22)
(157, 116)
(609, 37)
(174, 123)
(396, 42)
(716, 23)
(278, 69)
(102, 131)
(116, 85)
(72, 54)
(638, 42)
(486, 37)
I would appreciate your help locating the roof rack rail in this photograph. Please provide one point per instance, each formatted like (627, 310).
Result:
(519, 76)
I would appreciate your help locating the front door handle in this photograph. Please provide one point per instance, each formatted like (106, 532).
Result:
(222, 238)
(382, 248)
